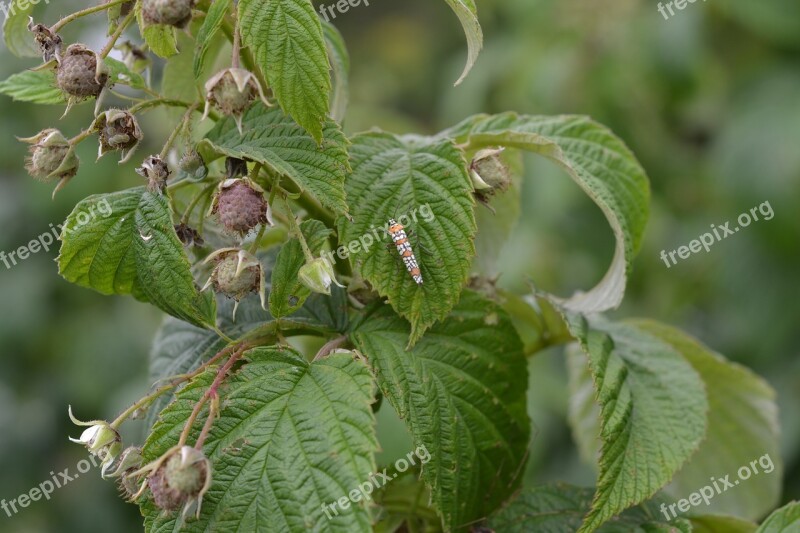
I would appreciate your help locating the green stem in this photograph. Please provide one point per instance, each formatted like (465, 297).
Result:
(254, 247)
(113, 39)
(295, 229)
(202, 194)
(88, 11)
(311, 206)
(174, 135)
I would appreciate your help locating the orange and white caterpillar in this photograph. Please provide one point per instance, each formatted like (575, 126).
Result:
(400, 240)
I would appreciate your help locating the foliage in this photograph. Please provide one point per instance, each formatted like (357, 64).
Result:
(287, 433)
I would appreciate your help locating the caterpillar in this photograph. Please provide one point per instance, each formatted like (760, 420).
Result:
(400, 240)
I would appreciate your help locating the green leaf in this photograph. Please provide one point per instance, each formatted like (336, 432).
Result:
(177, 81)
(291, 437)
(743, 421)
(288, 294)
(38, 87)
(560, 508)
(286, 38)
(340, 64)
(653, 412)
(468, 15)
(160, 38)
(97, 248)
(274, 140)
(461, 391)
(211, 24)
(120, 73)
(721, 524)
(786, 519)
(423, 183)
(163, 271)
(601, 165)
(16, 35)
(125, 243)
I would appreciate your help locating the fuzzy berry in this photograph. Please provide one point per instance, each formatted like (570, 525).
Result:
(232, 91)
(51, 157)
(176, 13)
(77, 73)
(176, 481)
(228, 283)
(240, 206)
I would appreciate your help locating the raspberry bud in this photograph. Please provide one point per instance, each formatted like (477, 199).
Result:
(118, 130)
(237, 273)
(101, 439)
(318, 276)
(133, 56)
(49, 43)
(180, 479)
(176, 13)
(192, 163)
(51, 157)
(156, 171)
(232, 91)
(240, 205)
(79, 73)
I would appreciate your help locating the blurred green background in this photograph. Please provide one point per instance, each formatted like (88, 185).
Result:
(709, 101)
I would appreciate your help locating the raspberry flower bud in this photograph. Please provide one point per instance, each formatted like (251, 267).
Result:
(240, 205)
(49, 43)
(192, 163)
(80, 74)
(133, 56)
(51, 157)
(318, 276)
(101, 439)
(156, 171)
(176, 13)
(118, 130)
(180, 478)
(129, 462)
(237, 273)
(232, 91)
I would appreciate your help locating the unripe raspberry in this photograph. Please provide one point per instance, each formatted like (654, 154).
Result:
(183, 476)
(176, 13)
(118, 130)
(237, 273)
(191, 161)
(156, 171)
(240, 205)
(489, 174)
(79, 73)
(233, 281)
(232, 91)
(51, 157)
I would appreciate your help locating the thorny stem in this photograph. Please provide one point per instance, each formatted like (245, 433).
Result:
(213, 412)
(160, 101)
(202, 194)
(212, 391)
(150, 398)
(295, 229)
(88, 11)
(174, 135)
(237, 41)
(254, 247)
(113, 39)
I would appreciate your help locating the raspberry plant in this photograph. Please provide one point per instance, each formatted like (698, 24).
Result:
(254, 184)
